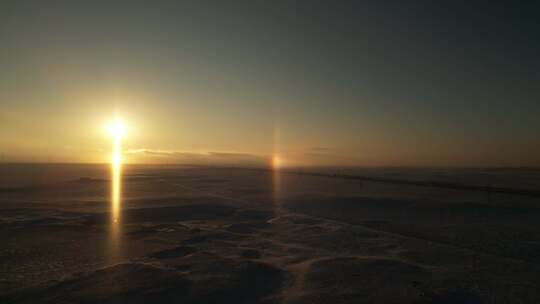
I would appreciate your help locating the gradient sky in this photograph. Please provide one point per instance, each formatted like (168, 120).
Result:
(369, 83)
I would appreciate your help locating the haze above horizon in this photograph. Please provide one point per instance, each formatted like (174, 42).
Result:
(308, 83)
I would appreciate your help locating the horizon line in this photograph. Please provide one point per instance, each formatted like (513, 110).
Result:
(536, 167)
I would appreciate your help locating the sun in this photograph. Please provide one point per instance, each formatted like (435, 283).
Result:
(276, 162)
(117, 130)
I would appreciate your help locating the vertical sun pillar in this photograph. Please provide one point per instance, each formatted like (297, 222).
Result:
(275, 163)
(117, 132)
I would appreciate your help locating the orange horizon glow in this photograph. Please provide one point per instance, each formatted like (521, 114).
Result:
(276, 162)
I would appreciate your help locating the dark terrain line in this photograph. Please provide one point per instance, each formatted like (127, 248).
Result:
(432, 184)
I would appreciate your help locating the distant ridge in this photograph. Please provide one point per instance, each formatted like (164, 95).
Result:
(436, 184)
(433, 184)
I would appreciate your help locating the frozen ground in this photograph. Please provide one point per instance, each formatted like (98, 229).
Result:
(218, 235)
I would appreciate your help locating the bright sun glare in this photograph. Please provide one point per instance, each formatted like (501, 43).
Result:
(117, 130)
